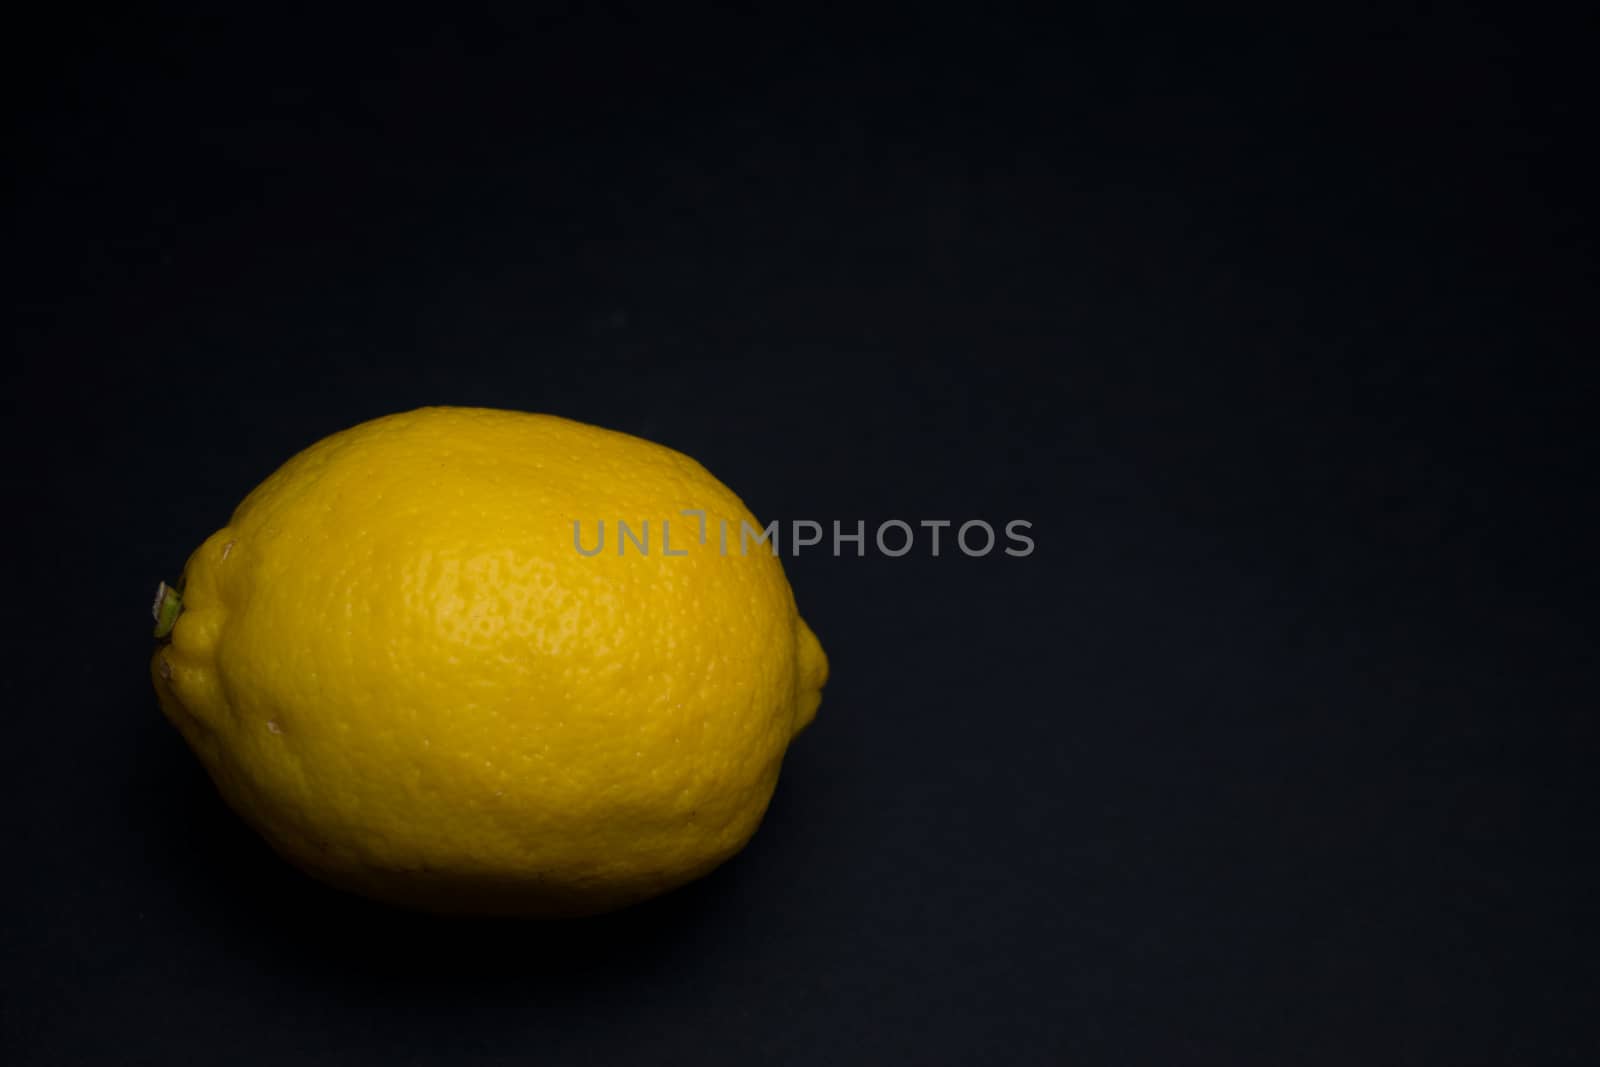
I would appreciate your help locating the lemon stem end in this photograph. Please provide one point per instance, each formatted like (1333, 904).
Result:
(169, 603)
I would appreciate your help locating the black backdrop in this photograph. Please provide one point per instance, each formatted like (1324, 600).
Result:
(1276, 750)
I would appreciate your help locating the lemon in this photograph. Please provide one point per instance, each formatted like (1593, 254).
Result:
(405, 665)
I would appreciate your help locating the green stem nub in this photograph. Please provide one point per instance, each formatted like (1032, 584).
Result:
(169, 602)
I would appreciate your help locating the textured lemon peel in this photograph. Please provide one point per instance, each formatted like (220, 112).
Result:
(460, 713)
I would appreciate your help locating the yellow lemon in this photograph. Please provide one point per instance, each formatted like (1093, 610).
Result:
(405, 664)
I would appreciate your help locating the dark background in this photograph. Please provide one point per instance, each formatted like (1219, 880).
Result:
(1277, 750)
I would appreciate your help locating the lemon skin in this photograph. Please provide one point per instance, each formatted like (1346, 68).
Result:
(397, 667)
